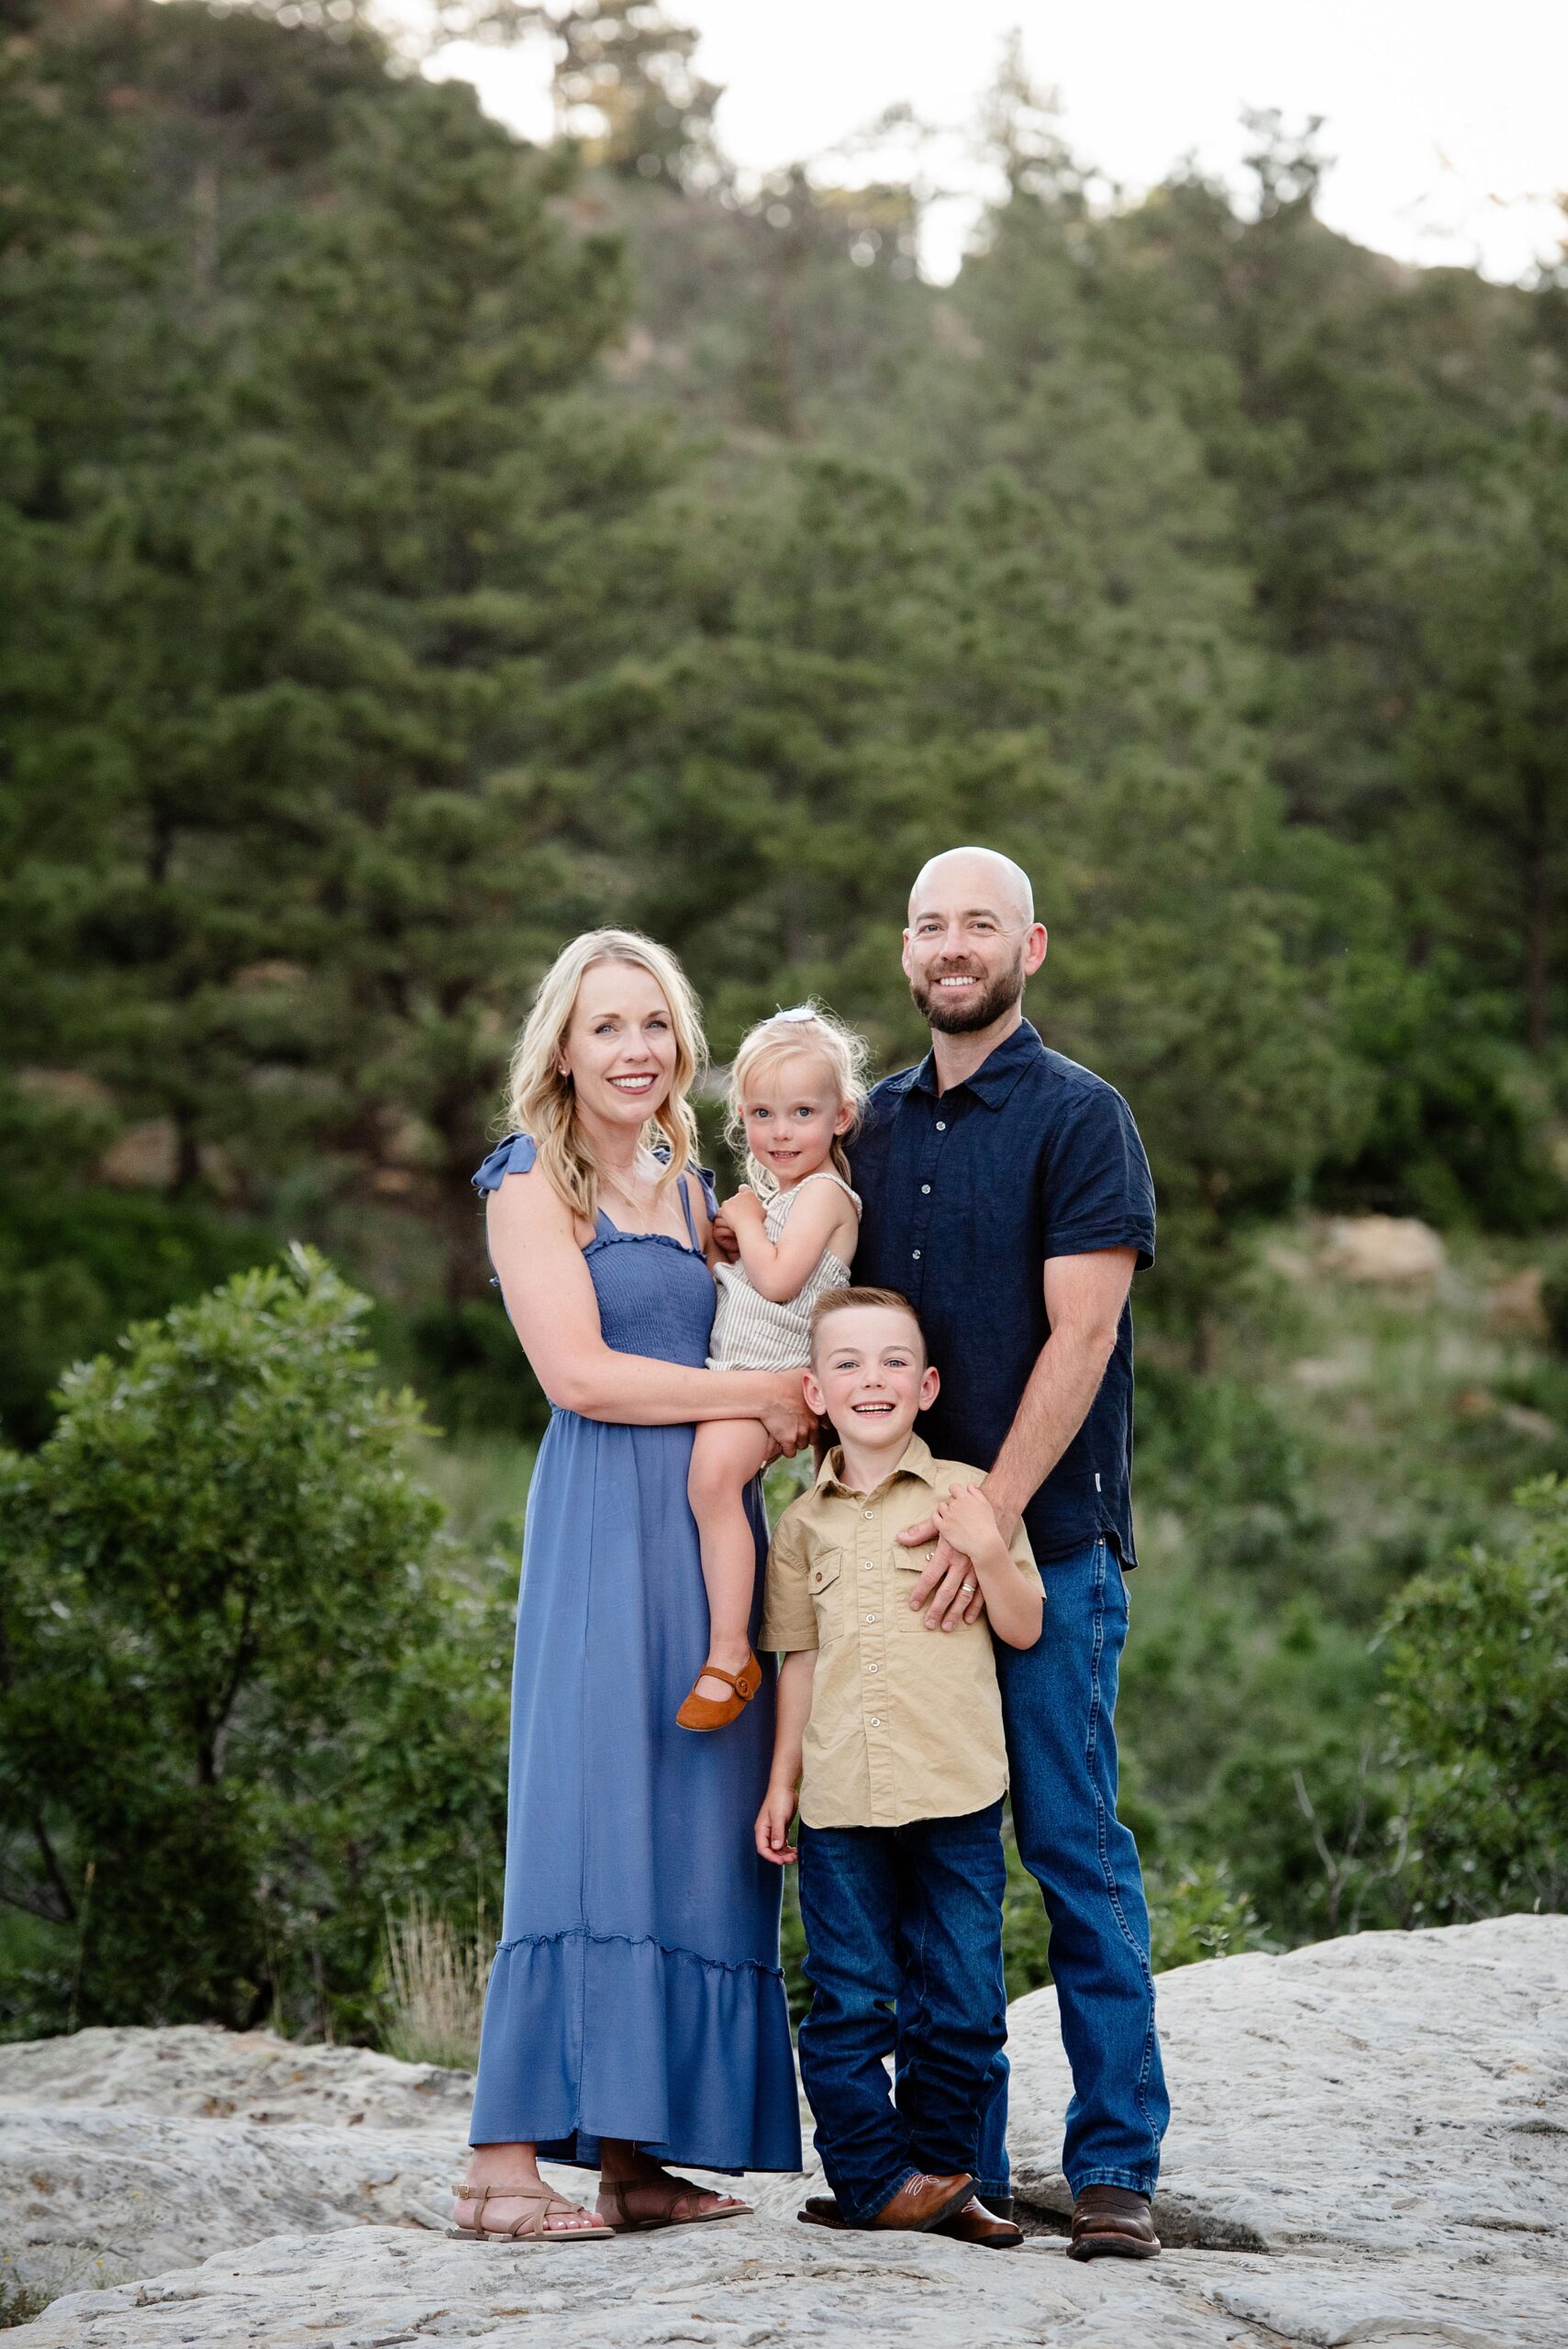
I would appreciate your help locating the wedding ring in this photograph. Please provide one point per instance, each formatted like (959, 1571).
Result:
(969, 1586)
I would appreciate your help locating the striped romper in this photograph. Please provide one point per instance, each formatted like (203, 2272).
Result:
(750, 1331)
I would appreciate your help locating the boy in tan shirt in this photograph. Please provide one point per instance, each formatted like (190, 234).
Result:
(892, 1734)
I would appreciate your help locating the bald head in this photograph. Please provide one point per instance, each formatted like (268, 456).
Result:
(972, 942)
(980, 878)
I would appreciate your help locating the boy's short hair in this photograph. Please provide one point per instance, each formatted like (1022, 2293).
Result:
(843, 1300)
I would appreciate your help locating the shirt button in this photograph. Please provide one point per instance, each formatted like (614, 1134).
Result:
(870, 1619)
(915, 1254)
(925, 1190)
(875, 1722)
(941, 1125)
(865, 1512)
(873, 1667)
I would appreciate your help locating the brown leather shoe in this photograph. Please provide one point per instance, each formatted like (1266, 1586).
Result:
(976, 2224)
(925, 2202)
(917, 2209)
(1110, 2222)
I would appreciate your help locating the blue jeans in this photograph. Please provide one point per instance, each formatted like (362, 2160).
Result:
(903, 1948)
(1058, 1700)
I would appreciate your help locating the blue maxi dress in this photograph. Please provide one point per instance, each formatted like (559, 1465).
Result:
(635, 1991)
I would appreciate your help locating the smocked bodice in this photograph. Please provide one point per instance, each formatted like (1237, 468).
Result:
(656, 1295)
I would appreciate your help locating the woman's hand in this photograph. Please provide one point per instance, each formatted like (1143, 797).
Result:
(789, 1422)
(774, 1825)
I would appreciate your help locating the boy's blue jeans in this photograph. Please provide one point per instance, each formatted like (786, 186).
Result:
(903, 1944)
(1058, 1699)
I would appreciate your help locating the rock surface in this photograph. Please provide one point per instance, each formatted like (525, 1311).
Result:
(1370, 2146)
(1396, 1250)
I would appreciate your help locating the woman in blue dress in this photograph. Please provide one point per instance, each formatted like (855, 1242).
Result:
(636, 2015)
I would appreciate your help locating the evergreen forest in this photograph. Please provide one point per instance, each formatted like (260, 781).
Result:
(417, 546)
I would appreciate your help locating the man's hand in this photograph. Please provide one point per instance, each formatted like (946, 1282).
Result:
(773, 1825)
(949, 1587)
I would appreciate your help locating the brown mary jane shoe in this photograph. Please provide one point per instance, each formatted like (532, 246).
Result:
(718, 1712)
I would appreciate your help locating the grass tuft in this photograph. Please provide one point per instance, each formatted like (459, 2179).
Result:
(437, 1980)
(53, 2269)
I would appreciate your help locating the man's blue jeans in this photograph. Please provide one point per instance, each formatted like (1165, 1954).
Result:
(903, 1945)
(1058, 1699)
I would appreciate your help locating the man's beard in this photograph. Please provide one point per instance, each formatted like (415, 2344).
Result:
(961, 1014)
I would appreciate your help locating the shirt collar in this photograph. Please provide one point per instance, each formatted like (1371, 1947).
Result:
(915, 1461)
(999, 1072)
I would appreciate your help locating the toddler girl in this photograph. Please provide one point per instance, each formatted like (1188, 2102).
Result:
(795, 1090)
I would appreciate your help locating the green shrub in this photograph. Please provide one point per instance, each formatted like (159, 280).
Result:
(247, 1693)
(1477, 1697)
(1198, 1913)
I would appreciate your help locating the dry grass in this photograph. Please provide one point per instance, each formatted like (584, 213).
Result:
(436, 1988)
(52, 2271)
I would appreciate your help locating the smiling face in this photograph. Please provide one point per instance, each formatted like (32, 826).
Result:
(619, 1047)
(869, 1375)
(971, 940)
(792, 1113)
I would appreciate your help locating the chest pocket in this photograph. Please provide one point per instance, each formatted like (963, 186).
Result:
(826, 1585)
(909, 1565)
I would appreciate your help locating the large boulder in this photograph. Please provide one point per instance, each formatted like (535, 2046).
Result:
(1369, 2146)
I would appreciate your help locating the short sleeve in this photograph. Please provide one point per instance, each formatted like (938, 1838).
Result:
(789, 1620)
(1097, 1190)
(516, 1155)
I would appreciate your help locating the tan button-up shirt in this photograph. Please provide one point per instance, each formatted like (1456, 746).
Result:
(905, 1723)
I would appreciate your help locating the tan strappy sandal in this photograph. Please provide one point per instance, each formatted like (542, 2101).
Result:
(718, 1712)
(681, 2189)
(533, 2229)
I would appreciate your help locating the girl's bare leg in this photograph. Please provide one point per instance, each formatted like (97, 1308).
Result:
(726, 1455)
(511, 2166)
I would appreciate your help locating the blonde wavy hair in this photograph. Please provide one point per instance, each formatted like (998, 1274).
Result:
(542, 1103)
(809, 1028)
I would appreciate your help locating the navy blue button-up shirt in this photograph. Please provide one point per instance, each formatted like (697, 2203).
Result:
(966, 1193)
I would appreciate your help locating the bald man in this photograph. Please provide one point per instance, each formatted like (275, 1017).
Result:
(1007, 1196)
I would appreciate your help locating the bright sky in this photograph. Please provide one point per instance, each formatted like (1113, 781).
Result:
(1448, 118)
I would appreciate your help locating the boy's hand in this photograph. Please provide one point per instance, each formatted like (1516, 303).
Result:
(772, 1826)
(964, 1520)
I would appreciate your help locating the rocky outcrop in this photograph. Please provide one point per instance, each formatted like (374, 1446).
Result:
(1370, 2146)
